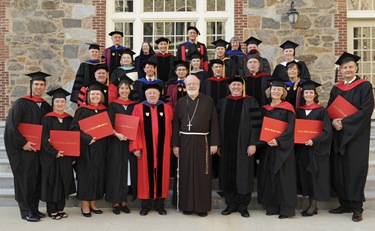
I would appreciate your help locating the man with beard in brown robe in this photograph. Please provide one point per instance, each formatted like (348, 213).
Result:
(195, 138)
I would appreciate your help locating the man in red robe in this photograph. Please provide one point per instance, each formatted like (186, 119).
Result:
(152, 148)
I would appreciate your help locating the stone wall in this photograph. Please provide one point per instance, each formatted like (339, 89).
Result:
(48, 36)
(314, 31)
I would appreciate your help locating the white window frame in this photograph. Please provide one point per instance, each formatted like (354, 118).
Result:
(137, 17)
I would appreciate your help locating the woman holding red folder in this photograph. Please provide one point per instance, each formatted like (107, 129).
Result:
(277, 172)
(312, 158)
(91, 163)
(119, 157)
(57, 180)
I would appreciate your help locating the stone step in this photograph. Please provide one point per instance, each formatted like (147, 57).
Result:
(3, 153)
(6, 181)
(4, 166)
(371, 168)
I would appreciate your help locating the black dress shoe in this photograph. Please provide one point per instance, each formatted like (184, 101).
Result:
(125, 209)
(97, 211)
(40, 214)
(143, 212)
(307, 214)
(116, 210)
(32, 217)
(357, 216)
(187, 212)
(244, 213)
(340, 210)
(202, 214)
(86, 214)
(162, 211)
(283, 217)
(271, 213)
(228, 211)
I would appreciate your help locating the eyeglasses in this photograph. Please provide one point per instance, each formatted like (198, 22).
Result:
(192, 84)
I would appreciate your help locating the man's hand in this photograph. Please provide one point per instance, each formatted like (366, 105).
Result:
(272, 143)
(138, 154)
(60, 154)
(251, 150)
(213, 149)
(336, 124)
(29, 146)
(176, 151)
(92, 141)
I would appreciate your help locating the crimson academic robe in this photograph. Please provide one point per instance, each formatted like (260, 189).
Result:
(195, 180)
(313, 161)
(164, 63)
(350, 146)
(24, 164)
(240, 122)
(85, 74)
(187, 48)
(256, 86)
(91, 162)
(112, 56)
(217, 88)
(175, 90)
(57, 173)
(281, 71)
(118, 159)
(154, 141)
(277, 185)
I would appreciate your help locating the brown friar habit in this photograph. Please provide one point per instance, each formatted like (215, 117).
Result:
(153, 139)
(277, 187)
(350, 146)
(195, 159)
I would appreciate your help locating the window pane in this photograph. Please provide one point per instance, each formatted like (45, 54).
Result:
(148, 5)
(159, 29)
(191, 5)
(147, 29)
(366, 5)
(353, 5)
(366, 32)
(123, 6)
(357, 44)
(127, 29)
(211, 5)
(366, 44)
(159, 6)
(220, 5)
(357, 32)
(366, 57)
(169, 5)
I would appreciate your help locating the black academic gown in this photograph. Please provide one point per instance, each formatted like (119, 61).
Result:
(202, 75)
(91, 163)
(277, 187)
(217, 88)
(120, 71)
(230, 68)
(24, 164)
(187, 48)
(294, 92)
(256, 86)
(57, 173)
(313, 161)
(239, 58)
(281, 71)
(118, 160)
(240, 121)
(164, 63)
(350, 146)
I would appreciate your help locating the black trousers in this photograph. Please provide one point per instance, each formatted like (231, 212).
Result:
(355, 206)
(27, 208)
(54, 207)
(237, 201)
(147, 203)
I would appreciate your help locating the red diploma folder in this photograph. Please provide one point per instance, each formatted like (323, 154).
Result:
(305, 130)
(32, 133)
(98, 126)
(340, 108)
(67, 141)
(127, 125)
(272, 128)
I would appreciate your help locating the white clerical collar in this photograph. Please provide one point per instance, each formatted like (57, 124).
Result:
(349, 82)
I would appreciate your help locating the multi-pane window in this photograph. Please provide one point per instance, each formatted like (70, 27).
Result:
(215, 31)
(127, 29)
(364, 46)
(123, 6)
(174, 31)
(169, 5)
(361, 4)
(216, 5)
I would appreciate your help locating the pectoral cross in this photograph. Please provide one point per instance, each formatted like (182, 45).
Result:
(189, 125)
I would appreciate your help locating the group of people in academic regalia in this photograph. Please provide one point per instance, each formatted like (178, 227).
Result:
(198, 120)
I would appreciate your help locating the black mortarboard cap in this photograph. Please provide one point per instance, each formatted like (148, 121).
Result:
(58, 93)
(309, 85)
(152, 86)
(148, 62)
(347, 57)
(162, 39)
(178, 63)
(218, 61)
(128, 51)
(38, 76)
(299, 65)
(195, 55)
(193, 28)
(124, 79)
(236, 79)
(116, 32)
(220, 43)
(252, 40)
(94, 46)
(289, 44)
(101, 66)
(277, 82)
(253, 54)
(94, 85)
